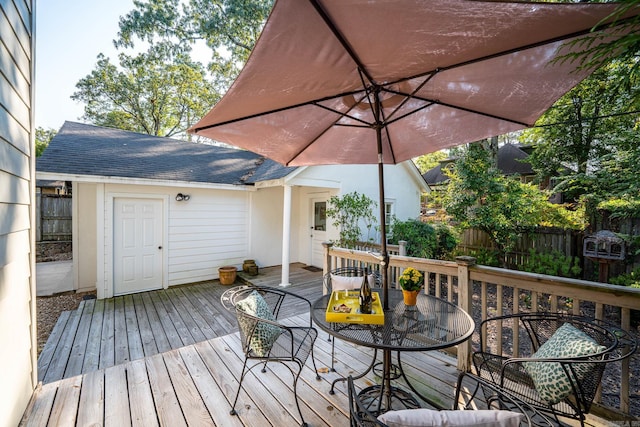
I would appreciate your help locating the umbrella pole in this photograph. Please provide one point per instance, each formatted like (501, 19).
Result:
(383, 239)
(383, 226)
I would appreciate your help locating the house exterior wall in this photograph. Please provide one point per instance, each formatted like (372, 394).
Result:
(208, 231)
(18, 374)
(266, 226)
(85, 239)
(402, 186)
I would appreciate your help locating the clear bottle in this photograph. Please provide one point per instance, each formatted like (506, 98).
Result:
(366, 297)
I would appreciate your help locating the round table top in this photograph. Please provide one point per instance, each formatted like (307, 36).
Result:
(432, 324)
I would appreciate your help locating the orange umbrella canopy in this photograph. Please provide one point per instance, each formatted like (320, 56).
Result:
(446, 72)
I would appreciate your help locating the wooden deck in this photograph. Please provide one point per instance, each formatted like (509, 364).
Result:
(194, 385)
(104, 333)
(173, 358)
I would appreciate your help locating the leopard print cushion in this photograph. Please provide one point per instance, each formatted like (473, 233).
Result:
(264, 334)
(549, 378)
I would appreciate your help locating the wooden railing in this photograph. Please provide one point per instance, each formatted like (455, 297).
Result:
(488, 291)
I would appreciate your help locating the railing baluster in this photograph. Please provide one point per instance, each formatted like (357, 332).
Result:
(625, 323)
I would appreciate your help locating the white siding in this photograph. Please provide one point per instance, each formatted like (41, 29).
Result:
(206, 232)
(266, 227)
(210, 230)
(85, 240)
(17, 288)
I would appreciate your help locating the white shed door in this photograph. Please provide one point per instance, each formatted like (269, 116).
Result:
(137, 243)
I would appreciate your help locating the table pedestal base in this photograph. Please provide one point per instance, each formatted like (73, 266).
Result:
(377, 400)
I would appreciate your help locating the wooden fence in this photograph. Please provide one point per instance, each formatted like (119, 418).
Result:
(53, 217)
(488, 291)
(545, 240)
(566, 242)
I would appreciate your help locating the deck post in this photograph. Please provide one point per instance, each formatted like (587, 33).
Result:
(465, 298)
(326, 263)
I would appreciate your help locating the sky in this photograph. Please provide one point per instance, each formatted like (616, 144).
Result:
(69, 36)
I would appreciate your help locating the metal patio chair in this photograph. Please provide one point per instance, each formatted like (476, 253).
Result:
(554, 362)
(472, 393)
(265, 337)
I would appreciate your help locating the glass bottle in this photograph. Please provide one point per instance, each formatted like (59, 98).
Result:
(366, 298)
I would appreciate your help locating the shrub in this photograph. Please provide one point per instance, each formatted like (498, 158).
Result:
(628, 279)
(553, 263)
(483, 256)
(423, 240)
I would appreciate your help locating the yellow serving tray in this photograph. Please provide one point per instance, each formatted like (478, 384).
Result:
(350, 299)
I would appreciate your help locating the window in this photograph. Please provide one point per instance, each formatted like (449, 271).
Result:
(388, 212)
(320, 216)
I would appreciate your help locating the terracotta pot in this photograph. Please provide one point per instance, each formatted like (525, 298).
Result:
(249, 266)
(410, 297)
(227, 274)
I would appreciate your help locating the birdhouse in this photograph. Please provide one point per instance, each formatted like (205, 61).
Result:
(604, 245)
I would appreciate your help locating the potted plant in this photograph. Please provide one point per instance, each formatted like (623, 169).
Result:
(411, 282)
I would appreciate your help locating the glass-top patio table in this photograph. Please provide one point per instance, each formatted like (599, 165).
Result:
(432, 324)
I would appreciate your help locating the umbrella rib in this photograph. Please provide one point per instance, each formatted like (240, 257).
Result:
(277, 110)
(347, 47)
(431, 102)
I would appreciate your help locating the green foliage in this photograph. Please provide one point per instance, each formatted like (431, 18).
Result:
(483, 256)
(627, 279)
(593, 52)
(348, 212)
(153, 92)
(163, 91)
(423, 240)
(621, 208)
(229, 28)
(43, 138)
(448, 240)
(589, 139)
(430, 160)
(420, 237)
(479, 196)
(552, 263)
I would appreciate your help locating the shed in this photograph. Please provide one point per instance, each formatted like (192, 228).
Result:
(132, 233)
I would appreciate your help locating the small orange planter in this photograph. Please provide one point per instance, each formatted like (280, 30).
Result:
(227, 274)
(410, 297)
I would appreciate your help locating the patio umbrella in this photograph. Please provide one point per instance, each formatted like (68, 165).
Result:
(381, 82)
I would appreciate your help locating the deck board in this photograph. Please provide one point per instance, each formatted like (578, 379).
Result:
(107, 338)
(91, 360)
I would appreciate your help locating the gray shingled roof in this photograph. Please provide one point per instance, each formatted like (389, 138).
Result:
(82, 149)
(510, 162)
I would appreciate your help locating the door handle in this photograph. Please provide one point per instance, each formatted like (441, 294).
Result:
(159, 247)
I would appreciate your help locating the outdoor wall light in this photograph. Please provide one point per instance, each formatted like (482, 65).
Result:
(180, 197)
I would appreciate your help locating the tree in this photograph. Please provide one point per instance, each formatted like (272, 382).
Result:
(479, 196)
(163, 91)
(229, 28)
(430, 160)
(348, 212)
(592, 124)
(43, 138)
(153, 92)
(593, 52)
